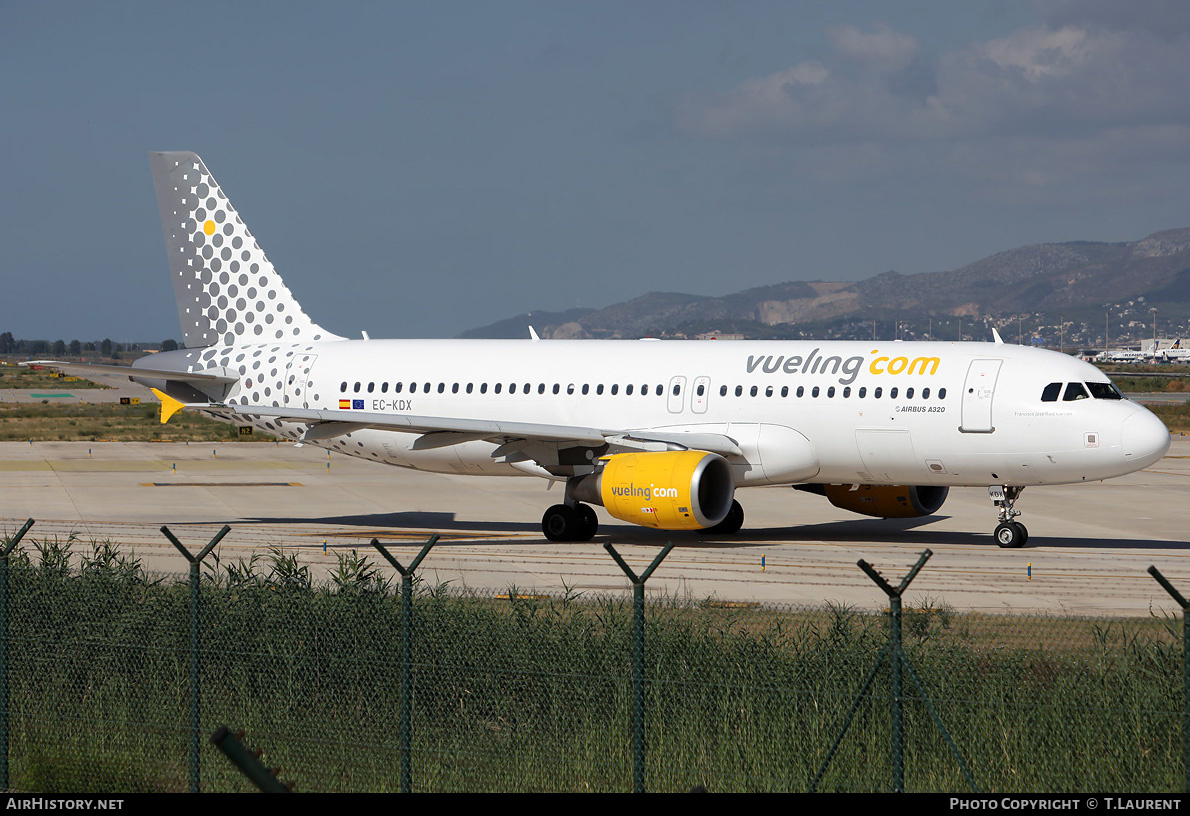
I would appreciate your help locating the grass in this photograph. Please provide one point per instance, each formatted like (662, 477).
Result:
(43, 422)
(534, 693)
(24, 377)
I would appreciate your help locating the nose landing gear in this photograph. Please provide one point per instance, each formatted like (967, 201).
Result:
(1009, 532)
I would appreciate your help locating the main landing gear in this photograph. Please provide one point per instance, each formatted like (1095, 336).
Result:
(563, 522)
(1009, 532)
(731, 523)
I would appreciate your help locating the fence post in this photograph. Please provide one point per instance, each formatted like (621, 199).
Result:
(1182, 602)
(406, 656)
(898, 699)
(899, 663)
(638, 660)
(12, 542)
(195, 561)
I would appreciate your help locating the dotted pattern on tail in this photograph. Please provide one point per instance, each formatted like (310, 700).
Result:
(228, 292)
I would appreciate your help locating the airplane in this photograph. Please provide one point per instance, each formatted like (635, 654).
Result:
(659, 433)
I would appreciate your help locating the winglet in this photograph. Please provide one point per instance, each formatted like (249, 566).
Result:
(533, 334)
(996, 336)
(169, 405)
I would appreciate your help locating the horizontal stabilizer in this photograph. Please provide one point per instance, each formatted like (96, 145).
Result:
(94, 371)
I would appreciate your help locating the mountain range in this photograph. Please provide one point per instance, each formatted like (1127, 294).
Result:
(1079, 280)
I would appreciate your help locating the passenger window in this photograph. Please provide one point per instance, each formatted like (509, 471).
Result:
(615, 389)
(785, 390)
(863, 391)
(846, 392)
(892, 393)
(371, 387)
(723, 390)
(441, 387)
(1050, 392)
(570, 389)
(483, 388)
(830, 392)
(908, 393)
(1075, 391)
(599, 389)
(677, 389)
(739, 390)
(469, 386)
(454, 389)
(343, 388)
(628, 390)
(801, 390)
(528, 387)
(877, 392)
(356, 388)
(752, 391)
(557, 388)
(814, 393)
(498, 387)
(586, 389)
(941, 393)
(925, 393)
(397, 387)
(768, 391)
(702, 389)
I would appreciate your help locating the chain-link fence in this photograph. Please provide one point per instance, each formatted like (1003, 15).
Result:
(526, 692)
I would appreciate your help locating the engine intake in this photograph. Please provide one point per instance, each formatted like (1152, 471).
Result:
(673, 490)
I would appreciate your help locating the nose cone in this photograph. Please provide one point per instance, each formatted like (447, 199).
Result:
(1145, 439)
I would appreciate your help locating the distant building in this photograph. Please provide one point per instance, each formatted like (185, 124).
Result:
(718, 336)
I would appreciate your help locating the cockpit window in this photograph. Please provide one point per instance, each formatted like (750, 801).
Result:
(1074, 391)
(1051, 392)
(1104, 390)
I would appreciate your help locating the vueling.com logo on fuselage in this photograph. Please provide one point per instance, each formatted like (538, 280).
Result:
(815, 363)
(646, 493)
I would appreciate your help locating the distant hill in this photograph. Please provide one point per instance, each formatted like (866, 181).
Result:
(1076, 279)
(517, 328)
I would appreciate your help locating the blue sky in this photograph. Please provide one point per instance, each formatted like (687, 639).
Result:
(418, 169)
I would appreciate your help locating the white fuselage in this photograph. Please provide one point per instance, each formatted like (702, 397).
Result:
(821, 412)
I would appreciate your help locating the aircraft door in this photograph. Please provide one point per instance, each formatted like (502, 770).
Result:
(978, 391)
(700, 394)
(676, 399)
(296, 376)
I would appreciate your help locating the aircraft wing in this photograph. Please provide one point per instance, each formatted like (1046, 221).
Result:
(436, 432)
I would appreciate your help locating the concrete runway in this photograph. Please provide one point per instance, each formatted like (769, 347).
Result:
(1088, 551)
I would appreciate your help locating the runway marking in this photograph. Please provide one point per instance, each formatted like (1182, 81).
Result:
(221, 484)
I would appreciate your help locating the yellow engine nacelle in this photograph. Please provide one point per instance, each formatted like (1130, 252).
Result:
(887, 501)
(672, 490)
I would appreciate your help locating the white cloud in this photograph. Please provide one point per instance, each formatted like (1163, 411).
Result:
(884, 48)
(1038, 103)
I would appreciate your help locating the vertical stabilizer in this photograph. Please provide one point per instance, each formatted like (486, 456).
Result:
(228, 292)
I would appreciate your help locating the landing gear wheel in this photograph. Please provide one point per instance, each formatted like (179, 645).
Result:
(588, 523)
(1024, 533)
(559, 523)
(731, 523)
(563, 523)
(1011, 534)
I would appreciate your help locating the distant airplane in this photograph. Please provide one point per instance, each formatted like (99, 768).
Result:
(659, 433)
